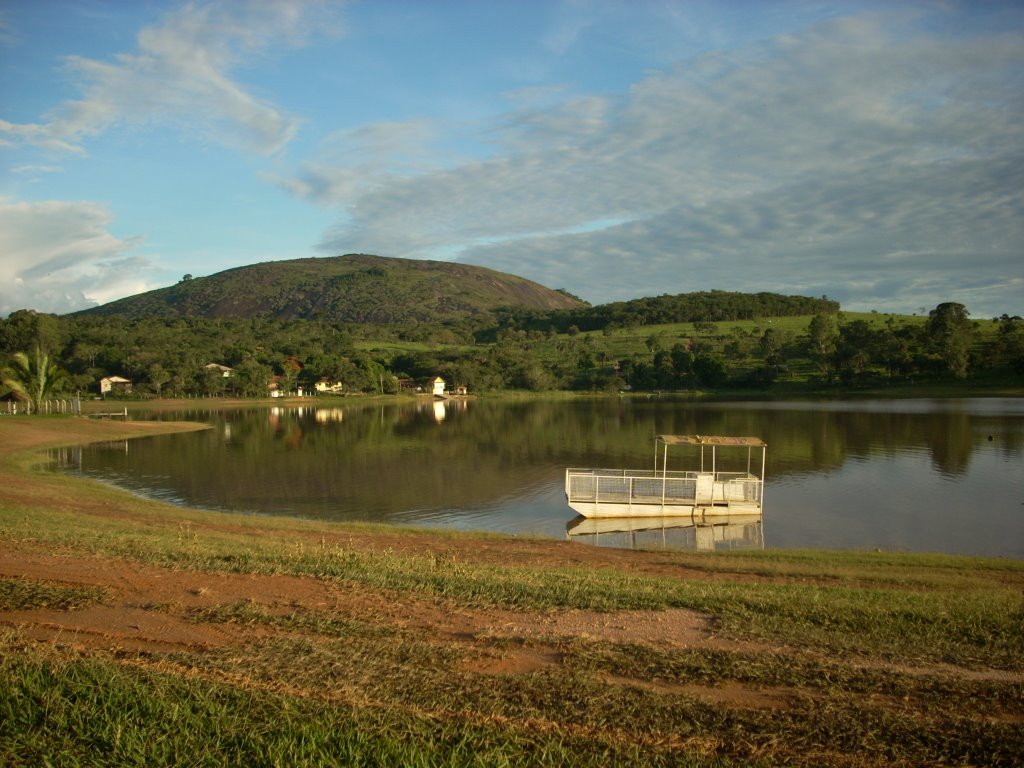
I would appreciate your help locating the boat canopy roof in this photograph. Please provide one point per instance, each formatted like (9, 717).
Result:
(750, 442)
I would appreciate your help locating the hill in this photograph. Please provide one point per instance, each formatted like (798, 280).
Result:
(354, 288)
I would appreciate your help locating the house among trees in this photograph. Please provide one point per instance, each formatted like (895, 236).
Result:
(439, 385)
(224, 370)
(115, 385)
(327, 387)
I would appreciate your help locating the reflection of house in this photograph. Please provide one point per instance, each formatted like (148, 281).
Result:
(115, 385)
(325, 415)
(224, 370)
(439, 385)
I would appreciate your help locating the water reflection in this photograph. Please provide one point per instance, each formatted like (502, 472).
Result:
(670, 533)
(919, 474)
(324, 415)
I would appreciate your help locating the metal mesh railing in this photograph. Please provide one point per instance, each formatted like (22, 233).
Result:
(623, 487)
(647, 487)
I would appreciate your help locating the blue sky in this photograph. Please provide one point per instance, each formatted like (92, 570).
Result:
(871, 152)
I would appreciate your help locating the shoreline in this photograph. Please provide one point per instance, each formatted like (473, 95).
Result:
(369, 631)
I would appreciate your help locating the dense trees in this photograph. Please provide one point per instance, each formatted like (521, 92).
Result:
(1008, 349)
(361, 322)
(32, 342)
(33, 376)
(823, 339)
(705, 307)
(949, 331)
(169, 357)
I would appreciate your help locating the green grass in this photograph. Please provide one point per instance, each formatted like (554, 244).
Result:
(402, 700)
(817, 658)
(904, 608)
(248, 613)
(95, 712)
(27, 594)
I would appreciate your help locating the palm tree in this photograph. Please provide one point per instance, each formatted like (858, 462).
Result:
(32, 377)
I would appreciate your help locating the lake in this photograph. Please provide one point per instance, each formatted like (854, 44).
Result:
(937, 475)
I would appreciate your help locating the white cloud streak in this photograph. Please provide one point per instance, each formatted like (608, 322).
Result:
(354, 162)
(181, 73)
(867, 158)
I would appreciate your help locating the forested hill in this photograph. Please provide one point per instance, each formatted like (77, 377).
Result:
(704, 306)
(354, 288)
(698, 307)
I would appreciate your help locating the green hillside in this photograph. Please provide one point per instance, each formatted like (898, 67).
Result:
(361, 323)
(354, 288)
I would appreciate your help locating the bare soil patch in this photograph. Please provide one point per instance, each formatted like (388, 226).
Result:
(148, 603)
(147, 611)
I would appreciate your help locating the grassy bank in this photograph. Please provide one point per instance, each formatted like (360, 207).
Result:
(137, 633)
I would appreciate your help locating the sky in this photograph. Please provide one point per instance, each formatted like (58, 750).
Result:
(871, 152)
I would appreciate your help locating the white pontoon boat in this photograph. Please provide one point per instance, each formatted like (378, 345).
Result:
(667, 493)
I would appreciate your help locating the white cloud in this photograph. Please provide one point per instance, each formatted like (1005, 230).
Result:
(61, 257)
(180, 73)
(36, 170)
(871, 243)
(353, 162)
(853, 159)
(12, 134)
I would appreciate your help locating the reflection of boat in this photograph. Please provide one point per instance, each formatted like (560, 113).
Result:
(709, 533)
(665, 493)
(719, 532)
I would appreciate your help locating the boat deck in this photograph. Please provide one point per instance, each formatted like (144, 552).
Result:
(661, 493)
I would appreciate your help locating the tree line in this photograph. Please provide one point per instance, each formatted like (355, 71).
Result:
(698, 307)
(599, 349)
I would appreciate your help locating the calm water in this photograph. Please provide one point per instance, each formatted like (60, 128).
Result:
(921, 475)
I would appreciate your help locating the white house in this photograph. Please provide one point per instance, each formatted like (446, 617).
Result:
(439, 385)
(328, 387)
(115, 384)
(224, 370)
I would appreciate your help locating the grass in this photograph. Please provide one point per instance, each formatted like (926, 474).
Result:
(406, 701)
(98, 714)
(26, 594)
(899, 610)
(809, 658)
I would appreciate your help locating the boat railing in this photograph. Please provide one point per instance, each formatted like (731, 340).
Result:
(624, 486)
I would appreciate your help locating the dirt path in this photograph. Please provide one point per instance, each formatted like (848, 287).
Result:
(146, 608)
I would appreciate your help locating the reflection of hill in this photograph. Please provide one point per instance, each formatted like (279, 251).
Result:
(370, 461)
